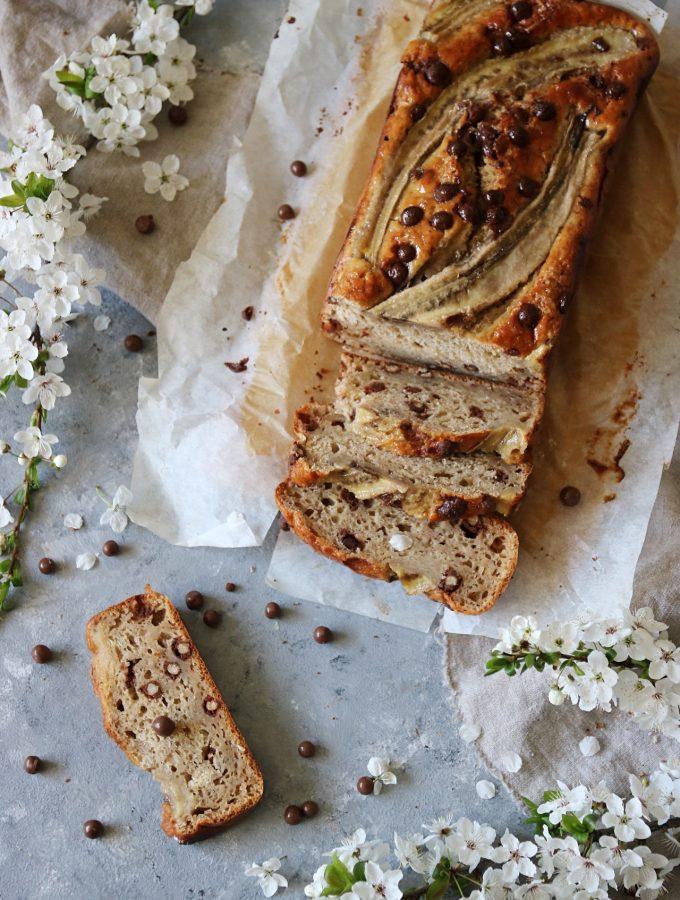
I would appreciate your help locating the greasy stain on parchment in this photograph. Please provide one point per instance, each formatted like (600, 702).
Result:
(593, 392)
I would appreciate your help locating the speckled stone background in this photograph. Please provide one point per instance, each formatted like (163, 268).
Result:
(375, 689)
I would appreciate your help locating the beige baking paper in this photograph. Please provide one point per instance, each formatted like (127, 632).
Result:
(222, 437)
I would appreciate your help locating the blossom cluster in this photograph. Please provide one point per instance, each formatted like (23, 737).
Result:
(588, 843)
(41, 214)
(597, 664)
(118, 85)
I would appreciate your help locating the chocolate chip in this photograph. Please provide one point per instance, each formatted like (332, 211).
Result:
(152, 689)
(298, 168)
(93, 828)
(417, 112)
(306, 749)
(521, 10)
(292, 814)
(570, 496)
(544, 110)
(438, 73)
(563, 303)
(230, 587)
(41, 654)
(309, 809)
(453, 508)
(347, 496)
(494, 197)
(487, 505)
(471, 527)
(528, 316)
(518, 135)
(457, 148)
(486, 137)
(145, 224)
(111, 548)
(365, 785)
(272, 610)
(615, 90)
(239, 366)
(194, 599)
(442, 220)
(211, 618)
(285, 212)
(500, 44)
(322, 635)
(450, 581)
(527, 187)
(350, 542)
(211, 706)
(133, 343)
(518, 38)
(411, 216)
(247, 313)
(397, 272)
(178, 115)
(498, 219)
(446, 191)
(163, 726)
(47, 566)
(181, 648)
(468, 212)
(600, 44)
(374, 387)
(32, 764)
(172, 669)
(406, 252)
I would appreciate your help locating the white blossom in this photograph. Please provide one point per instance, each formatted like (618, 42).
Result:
(356, 848)
(516, 857)
(379, 769)
(268, 876)
(34, 443)
(164, 177)
(471, 842)
(378, 884)
(523, 631)
(566, 800)
(646, 875)
(626, 819)
(5, 515)
(153, 28)
(115, 514)
(45, 389)
(86, 561)
(559, 637)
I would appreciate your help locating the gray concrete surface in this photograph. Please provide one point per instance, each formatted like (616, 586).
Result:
(375, 690)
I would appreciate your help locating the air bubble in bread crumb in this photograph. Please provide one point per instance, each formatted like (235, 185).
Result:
(401, 542)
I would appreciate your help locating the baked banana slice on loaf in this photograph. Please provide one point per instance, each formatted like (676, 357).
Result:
(163, 709)
(465, 245)
(327, 448)
(463, 564)
(424, 412)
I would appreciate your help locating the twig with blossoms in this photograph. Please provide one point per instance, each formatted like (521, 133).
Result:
(38, 221)
(117, 86)
(588, 844)
(628, 662)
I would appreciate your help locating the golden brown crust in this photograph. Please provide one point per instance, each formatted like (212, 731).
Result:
(371, 569)
(207, 826)
(461, 38)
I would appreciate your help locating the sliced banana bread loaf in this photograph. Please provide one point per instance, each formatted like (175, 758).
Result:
(163, 709)
(465, 565)
(427, 412)
(326, 448)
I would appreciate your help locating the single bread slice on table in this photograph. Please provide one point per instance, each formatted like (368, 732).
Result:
(145, 666)
(327, 449)
(465, 565)
(418, 411)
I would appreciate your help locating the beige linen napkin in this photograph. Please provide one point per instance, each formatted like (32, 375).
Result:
(138, 268)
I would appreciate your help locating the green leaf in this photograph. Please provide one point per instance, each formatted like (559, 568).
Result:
(11, 200)
(16, 578)
(4, 591)
(88, 93)
(437, 888)
(38, 186)
(359, 871)
(6, 383)
(338, 878)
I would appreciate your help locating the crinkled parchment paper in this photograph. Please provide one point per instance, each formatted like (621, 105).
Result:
(214, 443)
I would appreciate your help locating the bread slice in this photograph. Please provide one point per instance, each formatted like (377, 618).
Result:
(145, 665)
(327, 449)
(466, 242)
(465, 565)
(427, 412)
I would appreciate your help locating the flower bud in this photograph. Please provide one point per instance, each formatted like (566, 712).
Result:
(60, 460)
(4, 447)
(556, 697)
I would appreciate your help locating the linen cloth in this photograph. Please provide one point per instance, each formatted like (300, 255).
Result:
(139, 268)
